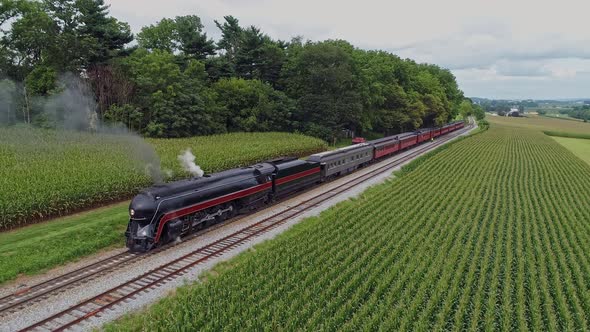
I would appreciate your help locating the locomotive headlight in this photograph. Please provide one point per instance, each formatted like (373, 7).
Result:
(144, 231)
(131, 212)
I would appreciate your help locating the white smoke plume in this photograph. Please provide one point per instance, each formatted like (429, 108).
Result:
(7, 102)
(73, 108)
(187, 160)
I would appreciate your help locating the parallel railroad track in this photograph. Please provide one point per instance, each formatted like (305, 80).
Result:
(28, 296)
(129, 290)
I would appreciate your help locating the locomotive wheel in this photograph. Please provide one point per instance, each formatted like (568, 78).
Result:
(233, 212)
(198, 216)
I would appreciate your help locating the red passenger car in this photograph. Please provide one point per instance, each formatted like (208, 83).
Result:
(424, 135)
(385, 146)
(407, 140)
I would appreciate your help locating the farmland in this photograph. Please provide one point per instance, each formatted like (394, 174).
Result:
(579, 147)
(543, 123)
(46, 173)
(489, 233)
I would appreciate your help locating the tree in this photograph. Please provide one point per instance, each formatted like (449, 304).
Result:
(479, 113)
(183, 35)
(9, 10)
(387, 104)
(249, 53)
(192, 41)
(322, 78)
(28, 41)
(172, 101)
(231, 37)
(160, 36)
(66, 35)
(252, 105)
(108, 36)
(466, 109)
(110, 86)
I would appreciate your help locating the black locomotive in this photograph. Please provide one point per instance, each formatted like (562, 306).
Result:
(163, 213)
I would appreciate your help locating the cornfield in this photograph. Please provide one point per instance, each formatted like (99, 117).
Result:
(491, 233)
(47, 173)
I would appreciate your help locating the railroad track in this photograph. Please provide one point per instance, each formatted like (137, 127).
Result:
(28, 296)
(129, 290)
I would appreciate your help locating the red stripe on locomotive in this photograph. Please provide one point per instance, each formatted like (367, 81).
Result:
(227, 198)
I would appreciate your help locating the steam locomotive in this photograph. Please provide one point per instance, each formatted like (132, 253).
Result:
(166, 212)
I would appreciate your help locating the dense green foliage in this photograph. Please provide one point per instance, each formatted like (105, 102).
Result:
(467, 108)
(178, 82)
(48, 173)
(483, 124)
(503, 247)
(578, 112)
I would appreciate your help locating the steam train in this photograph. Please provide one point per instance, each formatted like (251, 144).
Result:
(166, 212)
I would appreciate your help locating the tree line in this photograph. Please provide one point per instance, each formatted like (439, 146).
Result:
(576, 112)
(176, 81)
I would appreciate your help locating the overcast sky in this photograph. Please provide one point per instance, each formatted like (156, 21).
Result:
(496, 48)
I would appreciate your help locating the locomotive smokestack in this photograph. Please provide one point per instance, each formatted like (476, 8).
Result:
(187, 160)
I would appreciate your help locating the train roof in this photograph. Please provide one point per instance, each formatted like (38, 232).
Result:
(384, 139)
(341, 150)
(391, 138)
(423, 130)
(176, 187)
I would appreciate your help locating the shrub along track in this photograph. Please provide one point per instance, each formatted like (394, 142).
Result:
(128, 290)
(491, 233)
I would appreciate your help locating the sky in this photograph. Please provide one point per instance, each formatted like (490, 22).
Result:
(509, 49)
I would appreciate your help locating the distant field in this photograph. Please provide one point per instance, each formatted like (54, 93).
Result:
(542, 123)
(580, 147)
(567, 135)
(46, 173)
(491, 233)
(561, 116)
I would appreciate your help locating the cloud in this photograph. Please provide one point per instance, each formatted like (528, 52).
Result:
(525, 41)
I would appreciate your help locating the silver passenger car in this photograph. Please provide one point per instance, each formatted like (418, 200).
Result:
(343, 160)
